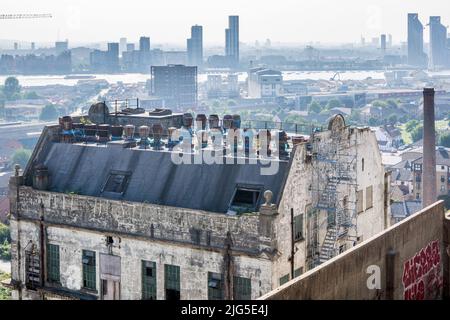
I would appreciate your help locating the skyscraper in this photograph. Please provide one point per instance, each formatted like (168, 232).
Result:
(438, 43)
(176, 84)
(416, 55)
(232, 40)
(112, 57)
(383, 43)
(144, 44)
(195, 46)
(122, 45)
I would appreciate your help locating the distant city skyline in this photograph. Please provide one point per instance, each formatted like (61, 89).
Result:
(169, 21)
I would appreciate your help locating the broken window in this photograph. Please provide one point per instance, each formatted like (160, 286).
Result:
(172, 282)
(117, 182)
(242, 289)
(369, 197)
(89, 270)
(215, 286)
(53, 263)
(298, 227)
(148, 280)
(32, 268)
(360, 201)
(245, 199)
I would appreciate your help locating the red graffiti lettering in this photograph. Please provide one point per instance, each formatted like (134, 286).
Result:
(422, 274)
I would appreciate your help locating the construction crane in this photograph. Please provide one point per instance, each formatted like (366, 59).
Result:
(16, 16)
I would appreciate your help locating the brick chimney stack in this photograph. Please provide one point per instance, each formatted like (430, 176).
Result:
(429, 193)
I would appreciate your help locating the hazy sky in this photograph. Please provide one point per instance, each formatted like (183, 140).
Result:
(169, 21)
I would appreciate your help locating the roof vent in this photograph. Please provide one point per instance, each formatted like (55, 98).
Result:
(41, 178)
(236, 121)
(174, 137)
(264, 138)
(214, 121)
(187, 120)
(103, 132)
(248, 137)
(227, 122)
(116, 133)
(128, 132)
(200, 121)
(157, 135)
(144, 133)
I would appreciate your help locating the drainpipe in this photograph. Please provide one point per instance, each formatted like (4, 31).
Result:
(19, 249)
(42, 244)
(390, 274)
(228, 269)
(292, 244)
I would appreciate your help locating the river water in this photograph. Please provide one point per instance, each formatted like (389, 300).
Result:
(30, 81)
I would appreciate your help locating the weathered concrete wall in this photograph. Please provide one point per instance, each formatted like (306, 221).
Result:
(416, 268)
(194, 263)
(146, 220)
(299, 195)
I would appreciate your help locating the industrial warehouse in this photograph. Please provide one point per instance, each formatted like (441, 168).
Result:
(102, 212)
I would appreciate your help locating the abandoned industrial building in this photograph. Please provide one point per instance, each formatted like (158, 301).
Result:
(101, 211)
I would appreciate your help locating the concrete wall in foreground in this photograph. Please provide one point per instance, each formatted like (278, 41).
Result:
(407, 261)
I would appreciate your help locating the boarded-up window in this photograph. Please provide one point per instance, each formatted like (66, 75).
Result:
(360, 201)
(369, 197)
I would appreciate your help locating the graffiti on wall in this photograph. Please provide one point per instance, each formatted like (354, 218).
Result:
(422, 278)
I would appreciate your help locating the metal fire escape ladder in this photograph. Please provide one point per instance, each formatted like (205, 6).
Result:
(334, 167)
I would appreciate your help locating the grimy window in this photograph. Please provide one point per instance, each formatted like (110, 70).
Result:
(117, 182)
(53, 263)
(242, 289)
(89, 270)
(284, 279)
(215, 286)
(148, 280)
(298, 227)
(172, 282)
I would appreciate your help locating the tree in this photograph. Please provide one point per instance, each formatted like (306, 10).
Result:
(379, 103)
(11, 88)
(373, 122)
(391, 103)
(417, 133)
(334, 103)
(21, 157)
(444, 139)
(315, 107)
(31, 95)
(392, 120)
(411, 125)
(49, 113)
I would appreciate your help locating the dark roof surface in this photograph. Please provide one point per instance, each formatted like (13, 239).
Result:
(155, 179)
(405, 209)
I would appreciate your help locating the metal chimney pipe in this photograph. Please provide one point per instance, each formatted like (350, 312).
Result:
(429, 192)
